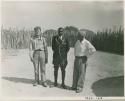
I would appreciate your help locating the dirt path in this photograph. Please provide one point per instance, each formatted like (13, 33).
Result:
(18, 76)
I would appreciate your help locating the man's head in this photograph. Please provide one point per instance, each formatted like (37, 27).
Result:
(60, 31)
(37, 30)
(81, 35)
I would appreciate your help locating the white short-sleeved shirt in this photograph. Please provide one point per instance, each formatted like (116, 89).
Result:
(84, 48)
(38, 43)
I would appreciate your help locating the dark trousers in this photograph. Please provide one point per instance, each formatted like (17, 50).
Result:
(79, 72)
(39, 62)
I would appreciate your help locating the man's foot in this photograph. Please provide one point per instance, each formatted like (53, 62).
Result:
(44, 84)
(72, 88)
(55, 84)
(79, 90)
(63, 86)
(35, 84)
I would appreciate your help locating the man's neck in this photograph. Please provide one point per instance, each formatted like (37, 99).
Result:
(37, 36)
(60, 36)
(82, 40)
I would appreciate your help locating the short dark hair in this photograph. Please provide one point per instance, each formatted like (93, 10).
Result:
(36, 28)
(60, 28)
(82, 33)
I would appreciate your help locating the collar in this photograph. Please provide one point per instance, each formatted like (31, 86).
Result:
(82, 41)
(61, 37)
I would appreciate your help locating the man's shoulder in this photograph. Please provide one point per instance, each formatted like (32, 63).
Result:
(43, 37)
(31, 38)
(87, 41)
(55, 36)
(77, 42)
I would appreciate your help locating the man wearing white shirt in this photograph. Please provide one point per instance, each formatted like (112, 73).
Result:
(82, 50)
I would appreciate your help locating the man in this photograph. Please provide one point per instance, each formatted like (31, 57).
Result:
(38, 55)
(83, 49)
(60, 47)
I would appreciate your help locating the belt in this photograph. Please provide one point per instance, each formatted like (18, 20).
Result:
(38, 50)
(79, 56)
(83, 58)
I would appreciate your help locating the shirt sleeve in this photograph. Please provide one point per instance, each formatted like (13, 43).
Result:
(45, 47)
(91, 47)
(53, 43)
(45, 42)
(67, 45)
(31, 45)
(31, 48)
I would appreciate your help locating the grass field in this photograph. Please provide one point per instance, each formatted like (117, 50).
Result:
(104, 75)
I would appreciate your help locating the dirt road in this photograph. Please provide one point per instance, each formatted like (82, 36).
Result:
(18, 76)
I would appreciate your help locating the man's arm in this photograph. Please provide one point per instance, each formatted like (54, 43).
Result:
(67, 45)
(91, 48)
(53, 43)
(31, 50)
(46, 51)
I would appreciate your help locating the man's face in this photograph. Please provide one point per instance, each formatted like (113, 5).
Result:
(37, 32)
(60, 32)
(81, 38)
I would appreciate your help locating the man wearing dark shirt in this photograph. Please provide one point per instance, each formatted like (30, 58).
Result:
(60, 47)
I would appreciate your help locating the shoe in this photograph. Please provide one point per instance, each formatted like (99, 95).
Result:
(55, 84)
(63, 86)
(79, 90)
(72, 88)
(44, 85)
(35, 84)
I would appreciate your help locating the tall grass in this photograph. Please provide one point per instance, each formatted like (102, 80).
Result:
(108, 40)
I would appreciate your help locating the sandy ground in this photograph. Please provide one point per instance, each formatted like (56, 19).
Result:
(104, 76)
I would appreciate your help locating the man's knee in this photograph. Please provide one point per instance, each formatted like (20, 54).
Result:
(56, 68)
(63, 69)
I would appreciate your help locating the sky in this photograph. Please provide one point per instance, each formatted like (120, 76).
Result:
(51, 15)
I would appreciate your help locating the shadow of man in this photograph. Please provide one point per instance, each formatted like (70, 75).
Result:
(31, 81)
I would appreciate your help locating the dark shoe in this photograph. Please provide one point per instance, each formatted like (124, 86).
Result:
(44, 84)
(55, 84)
(63, 86)
(35, 84)
(79, 90)
(72, 88)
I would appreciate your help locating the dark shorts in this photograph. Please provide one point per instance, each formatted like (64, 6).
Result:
(60, 61)
(62, 64)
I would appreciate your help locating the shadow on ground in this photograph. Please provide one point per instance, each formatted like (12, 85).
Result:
(109, 87)
(31, 81)
(19, 80)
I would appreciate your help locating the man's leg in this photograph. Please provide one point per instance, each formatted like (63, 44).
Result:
(43, 68)
(81, 78)
(36, 68)
(63, 67)
(75, 74)
(55, 74)
(63, 75)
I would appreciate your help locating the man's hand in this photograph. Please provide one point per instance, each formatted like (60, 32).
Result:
(31, 58)
(46, 60)
(31, 55)
(91, 52)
